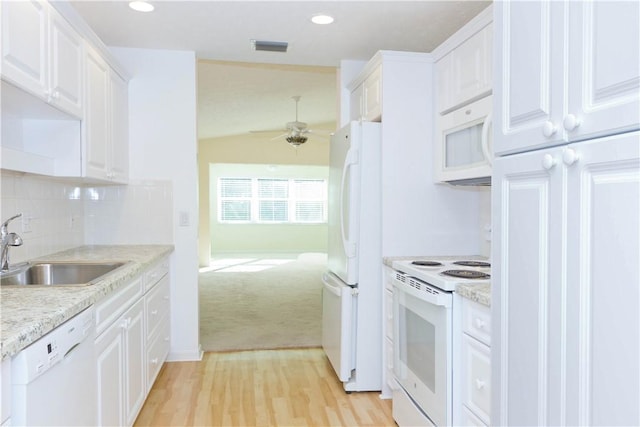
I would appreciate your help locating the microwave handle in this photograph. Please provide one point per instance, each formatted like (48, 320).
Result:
(486, 150)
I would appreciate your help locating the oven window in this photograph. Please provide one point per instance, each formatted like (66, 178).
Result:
(464, 147)
(418, 350)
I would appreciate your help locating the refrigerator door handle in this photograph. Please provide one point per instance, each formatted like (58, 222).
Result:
(351, 159)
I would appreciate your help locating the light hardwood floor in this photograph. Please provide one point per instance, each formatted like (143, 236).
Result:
(289, 387)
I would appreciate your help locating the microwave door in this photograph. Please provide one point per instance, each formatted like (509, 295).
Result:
(464, 147)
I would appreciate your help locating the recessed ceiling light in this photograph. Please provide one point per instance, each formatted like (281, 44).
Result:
(141, 6)
(322, 19)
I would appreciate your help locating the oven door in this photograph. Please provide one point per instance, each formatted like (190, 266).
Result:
(423, 348)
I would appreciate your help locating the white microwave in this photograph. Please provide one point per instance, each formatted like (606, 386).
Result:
(462, 150)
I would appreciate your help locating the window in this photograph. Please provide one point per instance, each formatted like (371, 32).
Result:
(269, 200)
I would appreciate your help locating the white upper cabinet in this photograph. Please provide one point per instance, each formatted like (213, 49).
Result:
(42, 54)
(105, 126)
(464, 74)
(24, 44)
(604, 68)
(119, 114)
(96, 123)
(66, 66)
(366, 98)
(565, 71)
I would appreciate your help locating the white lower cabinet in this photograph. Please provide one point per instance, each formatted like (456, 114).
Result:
(388, 380)
(158, 329)
(475, 365)
(132, 345)
(566, 235)
(120, 358)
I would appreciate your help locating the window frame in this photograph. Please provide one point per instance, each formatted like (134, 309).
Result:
(293, 201)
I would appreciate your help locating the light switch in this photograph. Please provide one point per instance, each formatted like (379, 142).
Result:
(184, 220)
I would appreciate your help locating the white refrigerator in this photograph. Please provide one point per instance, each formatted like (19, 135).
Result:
(352, 291)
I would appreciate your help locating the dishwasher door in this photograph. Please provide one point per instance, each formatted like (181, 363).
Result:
(54, 379)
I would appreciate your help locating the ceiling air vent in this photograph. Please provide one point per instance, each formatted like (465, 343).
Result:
(268, 46)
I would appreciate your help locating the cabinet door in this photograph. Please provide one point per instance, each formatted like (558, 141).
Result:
(527, 288)
(65, 71)
(135, 381)
(471, 68)
(372, 96)
(24, 45)
(603, 316)
(96, 123)
(110, 359)
(604, 68)
(528, 75)
(119, 109)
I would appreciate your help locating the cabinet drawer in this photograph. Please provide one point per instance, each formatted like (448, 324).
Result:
(157, 305)
(388, 313)
(155, 273)
(476, 320)
(157, 351)
(109, 309)
(476, 377)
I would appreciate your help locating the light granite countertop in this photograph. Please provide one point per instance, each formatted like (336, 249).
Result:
(478, 292)
(29, 312)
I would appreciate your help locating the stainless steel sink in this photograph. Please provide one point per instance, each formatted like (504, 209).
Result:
(57, 273)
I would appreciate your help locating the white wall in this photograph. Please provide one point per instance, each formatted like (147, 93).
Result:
(163, 146)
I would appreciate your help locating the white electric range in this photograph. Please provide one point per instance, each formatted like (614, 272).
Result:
(446, 272)
(426, 315)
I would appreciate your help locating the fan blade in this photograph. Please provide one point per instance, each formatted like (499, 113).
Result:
(267, 130)
(278, 137)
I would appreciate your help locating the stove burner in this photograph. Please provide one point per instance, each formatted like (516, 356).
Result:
(466, 274)
(473, 263)
(427, 263)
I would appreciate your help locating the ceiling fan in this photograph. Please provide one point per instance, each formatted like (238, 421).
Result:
(295, 131)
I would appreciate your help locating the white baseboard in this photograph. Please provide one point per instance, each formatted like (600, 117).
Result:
(185, 356)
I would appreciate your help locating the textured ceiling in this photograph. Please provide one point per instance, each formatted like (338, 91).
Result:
(236, 98)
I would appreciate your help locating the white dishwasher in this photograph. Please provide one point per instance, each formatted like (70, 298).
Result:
(53, 379)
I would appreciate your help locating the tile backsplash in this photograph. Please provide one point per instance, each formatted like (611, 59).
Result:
(59, 214)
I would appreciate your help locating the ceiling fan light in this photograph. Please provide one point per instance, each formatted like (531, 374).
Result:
(296, 140)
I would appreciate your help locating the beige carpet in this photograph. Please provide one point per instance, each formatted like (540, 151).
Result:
(249, 303)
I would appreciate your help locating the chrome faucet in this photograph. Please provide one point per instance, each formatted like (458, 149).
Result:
(8, 239)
